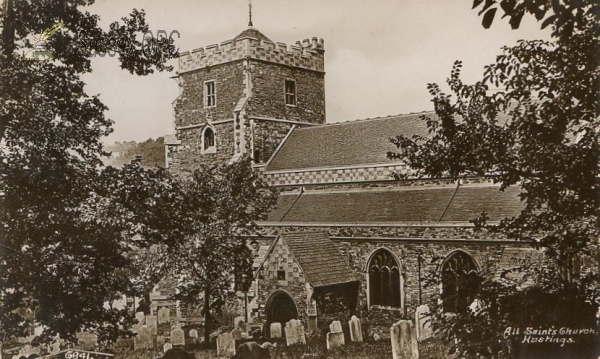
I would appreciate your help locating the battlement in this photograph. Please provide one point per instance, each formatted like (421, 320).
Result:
(308, 54)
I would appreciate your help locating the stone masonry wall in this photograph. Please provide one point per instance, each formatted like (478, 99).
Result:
(188, 156)
(267, 135)
(280, 259)
(229, 85)
(268, 93)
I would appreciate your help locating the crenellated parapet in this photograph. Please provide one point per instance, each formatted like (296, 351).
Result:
(308, 54)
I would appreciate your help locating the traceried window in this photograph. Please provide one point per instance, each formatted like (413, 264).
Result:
(459, 281)
(384, 280)
(290, 92)
(208, 141)
(210, 94)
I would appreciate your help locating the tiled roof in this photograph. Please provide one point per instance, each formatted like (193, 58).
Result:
(422, 204)
(346, 144)
(252, 33)
(319, 258)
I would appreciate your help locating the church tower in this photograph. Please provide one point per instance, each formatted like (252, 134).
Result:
(242, 97)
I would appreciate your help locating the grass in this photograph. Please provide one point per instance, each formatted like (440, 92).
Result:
(315, 348)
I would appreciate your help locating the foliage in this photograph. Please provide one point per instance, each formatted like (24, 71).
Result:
(218, 210)
(539, 132)
(151, 151)
(65, 240)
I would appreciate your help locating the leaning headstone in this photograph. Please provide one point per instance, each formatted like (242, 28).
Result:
(335, 340)
(294, 332)
(275, 330)
(144, 339)
(404, 340)
(236, 334)
(423, 323)
(160, 341)
(177, 337)
(355, 329)
(167, 347)
(163, 315)
(141, 317)
(225, 345)
(152, 324)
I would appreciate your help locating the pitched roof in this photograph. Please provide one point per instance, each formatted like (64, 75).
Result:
(319, 258)
(418, 204)
(251, 33)
(345, 144)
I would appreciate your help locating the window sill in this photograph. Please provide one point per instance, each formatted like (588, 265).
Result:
(210, 150)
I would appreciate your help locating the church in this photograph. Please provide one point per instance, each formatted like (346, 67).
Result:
(344, 225)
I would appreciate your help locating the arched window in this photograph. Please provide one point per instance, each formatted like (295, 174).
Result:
(384, 280)
(459, 281)
(208, 140)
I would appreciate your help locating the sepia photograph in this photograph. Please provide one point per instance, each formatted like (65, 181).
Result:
(315, 179)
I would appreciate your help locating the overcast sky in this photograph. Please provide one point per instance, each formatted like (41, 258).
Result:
(379, 54)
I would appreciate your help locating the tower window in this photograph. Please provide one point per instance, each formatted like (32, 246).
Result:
(210, 94)
(208, 141)
(290, 92)
(384, 280)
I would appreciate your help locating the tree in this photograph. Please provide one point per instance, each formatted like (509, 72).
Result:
(219, 210)
(64, 249)
(540, 132)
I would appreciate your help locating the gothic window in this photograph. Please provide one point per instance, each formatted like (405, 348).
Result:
(290, 92)
(208, 140)
(210, 94)
(459, 281)
(384, 280)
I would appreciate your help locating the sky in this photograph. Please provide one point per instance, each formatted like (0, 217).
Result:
(379, 54)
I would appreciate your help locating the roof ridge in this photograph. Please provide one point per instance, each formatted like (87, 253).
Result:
(399, 116)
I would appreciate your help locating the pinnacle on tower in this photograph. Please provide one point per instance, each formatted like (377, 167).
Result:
(249, 13)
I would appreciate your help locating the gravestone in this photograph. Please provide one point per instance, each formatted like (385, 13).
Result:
(193, 333)
(163, 315)
(236, 334)
(167, 347)
(335, 340)
(225, 345)
(294, 332)
(423, 323)
(177, 337)
(141, 317)
(144, 339)
(275, 330)
(404, 340)
(152, 324)
(178, 353)
(335, 327)
(240, 322)
(160, 341)
(355, 329)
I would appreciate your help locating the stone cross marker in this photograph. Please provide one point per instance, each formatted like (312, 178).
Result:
(164, 315)
(275, 330)
(177, 337)
(166, 347)
(294, 332)
(355, 329)
(404, 340)
(422, 323)
(152, 324)
(225, 345)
